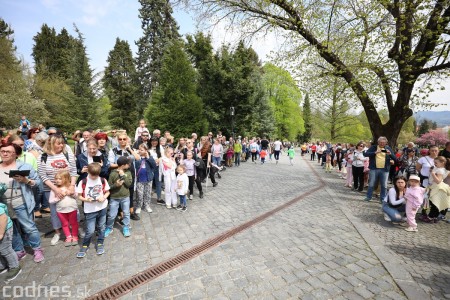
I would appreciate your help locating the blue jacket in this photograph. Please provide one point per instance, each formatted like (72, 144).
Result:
(27, 191)
(82, 160)
(150, 166)
(370, 153)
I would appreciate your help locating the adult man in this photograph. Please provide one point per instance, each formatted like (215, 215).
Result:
(112, 140)
(277, 146)
(264, 143)
(144, 139)
(81, 147)
(380, 157)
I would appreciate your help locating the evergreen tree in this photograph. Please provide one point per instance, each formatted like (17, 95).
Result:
(424, 127)
(120, 83)
(160, 28)
(175, 104)
(306, 137)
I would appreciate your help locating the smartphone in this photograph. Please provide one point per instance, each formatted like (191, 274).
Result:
(384, 150)
(97, 159)
(13, 173)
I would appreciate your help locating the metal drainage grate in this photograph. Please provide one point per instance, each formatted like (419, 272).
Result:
(123, 287)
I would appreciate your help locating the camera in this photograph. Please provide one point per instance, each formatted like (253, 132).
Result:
(121, 177)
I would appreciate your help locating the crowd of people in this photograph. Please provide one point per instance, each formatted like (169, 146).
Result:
(106, 177)
(420, 178)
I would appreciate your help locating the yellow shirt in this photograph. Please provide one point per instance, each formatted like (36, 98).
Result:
(380, 158)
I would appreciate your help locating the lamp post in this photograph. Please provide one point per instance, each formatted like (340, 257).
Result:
(232, 121)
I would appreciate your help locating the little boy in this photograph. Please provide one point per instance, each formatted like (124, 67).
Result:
(263, 155)
(120, 181)
(291, 154)
(93, 191)
(9, 262)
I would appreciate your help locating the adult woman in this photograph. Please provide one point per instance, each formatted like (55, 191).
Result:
(205, 154)
(358, 167)
(57, 156)
(88, 156)
(198, 170)
(394, 203)
(39, 141)
(31, 135)
(217, 152)
(20, 199)
(102, 139)
(156, 151)
(408, 163)
(423, 166)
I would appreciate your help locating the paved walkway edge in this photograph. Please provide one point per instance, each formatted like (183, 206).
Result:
(388, 258)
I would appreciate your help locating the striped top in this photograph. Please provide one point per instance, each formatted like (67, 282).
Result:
(47, 170)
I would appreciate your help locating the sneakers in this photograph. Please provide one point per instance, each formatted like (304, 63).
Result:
(367, 199)
(125, 232)
(108, 231)
(21, 255)
(174, 207)
(386, 217)
(184, 209)
(12, 274)
(82, 252)
(160, 202)
(411, 229)
(55, 239)
(100, 249)
(68, 242)
(135, 217)
(215, 184)
(137, 211)
(179, 207)
(148, 209)
(74, 241)
(191, 197)
(201, 196)
(168, 206)
(38, 255)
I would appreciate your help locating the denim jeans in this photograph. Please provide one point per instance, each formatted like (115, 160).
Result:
(8, 258)
(216, 160)
(91, 219)
(237, 159)
(395, 214)
(28, 228)
(182, 200)
(114, 204)
(39, 199)
(380, 175)
(157, 184)
(56, 223)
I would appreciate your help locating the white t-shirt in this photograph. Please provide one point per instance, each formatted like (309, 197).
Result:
(277, 146)
(93, 190)
(426, 162)
(441, 171)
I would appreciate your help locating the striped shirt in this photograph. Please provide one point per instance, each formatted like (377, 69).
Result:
(47, 170)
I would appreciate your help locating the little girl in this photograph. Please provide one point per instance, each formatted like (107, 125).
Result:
(439, 199)
(145, 170)
(182, 187)
(66, 208)
(414, 199)
(191, 172)
(230, 154)
(167, 168)
(328, 162)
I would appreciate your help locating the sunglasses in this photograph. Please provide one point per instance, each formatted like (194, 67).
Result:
(145, 135)
(113, 131)
(122, 139)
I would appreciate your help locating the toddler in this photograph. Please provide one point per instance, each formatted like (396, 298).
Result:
(328, 162)
(262, 155)
(182, 187)
(414, 199)
(66, 208)
(291, 154)
(8, 258)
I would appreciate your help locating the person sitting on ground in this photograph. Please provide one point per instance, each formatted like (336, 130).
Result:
(394, 203)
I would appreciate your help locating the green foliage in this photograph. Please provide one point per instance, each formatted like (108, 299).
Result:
(121, 86)
(160, 28)
(425, 126)
(284, 97)
(175, 105)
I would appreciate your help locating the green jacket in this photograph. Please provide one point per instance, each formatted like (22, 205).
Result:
(119, 192)
(291, 152)
(237, 148)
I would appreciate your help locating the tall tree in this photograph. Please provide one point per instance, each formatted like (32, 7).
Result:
(15, 97)
(121, 86)
(175, 104)
(393, 45)
(306, 137)
(159, 28)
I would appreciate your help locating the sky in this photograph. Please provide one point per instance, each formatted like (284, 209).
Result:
(101, 22)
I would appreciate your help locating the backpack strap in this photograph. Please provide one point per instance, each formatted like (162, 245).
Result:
(44, 157)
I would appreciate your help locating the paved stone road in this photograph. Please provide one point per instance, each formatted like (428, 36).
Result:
(329, 245)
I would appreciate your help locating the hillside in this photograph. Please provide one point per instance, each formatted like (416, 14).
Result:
(442, 118)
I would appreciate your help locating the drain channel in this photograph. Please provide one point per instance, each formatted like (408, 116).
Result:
(123, 287)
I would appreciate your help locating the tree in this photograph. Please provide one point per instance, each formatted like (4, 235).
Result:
(15, 97)
(160, 28)
(381, 49)
(121, 86)
(306, 137)
(175, 104)
(424, 127)
(432, 137)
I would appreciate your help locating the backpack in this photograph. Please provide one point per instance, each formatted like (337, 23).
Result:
(44, 157)
(84, 182)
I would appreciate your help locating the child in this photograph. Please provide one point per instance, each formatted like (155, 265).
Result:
(142, 127)
(182, 187)
(291, 154)
(9, 262)
(167, 168)
(93, 191)
(230, 154)
(262, 155)
(414, 199)
(328, 162)
(191, 172)
(120, 181)
(145, 170)
(439, 190)
(66, 208)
